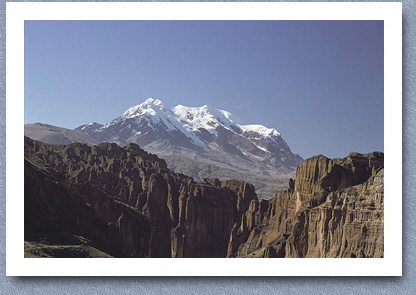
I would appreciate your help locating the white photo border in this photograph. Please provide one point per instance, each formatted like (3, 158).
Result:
(18, 12)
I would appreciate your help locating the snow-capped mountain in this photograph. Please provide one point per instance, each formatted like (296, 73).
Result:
(203, 135)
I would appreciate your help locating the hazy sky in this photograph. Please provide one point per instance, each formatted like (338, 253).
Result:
(319, 83)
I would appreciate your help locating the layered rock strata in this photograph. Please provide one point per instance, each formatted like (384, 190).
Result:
(334, 208)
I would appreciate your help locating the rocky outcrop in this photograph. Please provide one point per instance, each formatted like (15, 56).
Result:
(126, 203)
(109, 201)
(334, 208)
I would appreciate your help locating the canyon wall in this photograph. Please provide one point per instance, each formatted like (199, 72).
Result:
(334, 208)
(126, 203)
(109, 201)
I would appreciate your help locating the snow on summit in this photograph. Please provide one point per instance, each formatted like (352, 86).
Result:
(260, 129)
(195, 123)
(149, 106)
(205, 117)
(202, 141)
(192, 119)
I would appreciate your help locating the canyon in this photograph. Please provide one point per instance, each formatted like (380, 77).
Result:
(110, 201)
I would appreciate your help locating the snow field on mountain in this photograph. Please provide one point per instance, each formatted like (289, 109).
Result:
(189, 120)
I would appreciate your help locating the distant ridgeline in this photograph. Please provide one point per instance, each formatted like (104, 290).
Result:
(111, 201)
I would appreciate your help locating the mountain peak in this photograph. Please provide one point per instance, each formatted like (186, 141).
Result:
(149, 106)
(153, 101)
(191, 120)
(202, 141)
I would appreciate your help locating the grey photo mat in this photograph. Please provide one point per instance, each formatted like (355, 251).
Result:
(237, 285)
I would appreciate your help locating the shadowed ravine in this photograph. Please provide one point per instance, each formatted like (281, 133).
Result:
(109, 201)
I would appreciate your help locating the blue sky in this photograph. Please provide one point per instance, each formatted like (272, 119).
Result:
(319, 83)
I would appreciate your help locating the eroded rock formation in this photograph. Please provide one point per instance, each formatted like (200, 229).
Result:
(125, 202)
(334, 208)
(109, 201)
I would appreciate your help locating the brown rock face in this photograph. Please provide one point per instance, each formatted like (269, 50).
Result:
(126, 203)
(334, 208)
(108, 201)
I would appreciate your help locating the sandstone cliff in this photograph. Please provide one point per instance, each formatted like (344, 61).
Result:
(109, 201)
(125, 202)
(334, 208)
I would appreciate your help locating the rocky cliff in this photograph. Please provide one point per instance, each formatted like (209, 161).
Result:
(109, 201)
(123, 202)
(334, 208)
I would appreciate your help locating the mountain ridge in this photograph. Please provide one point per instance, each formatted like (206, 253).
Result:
(57, 135)
(202, 134)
